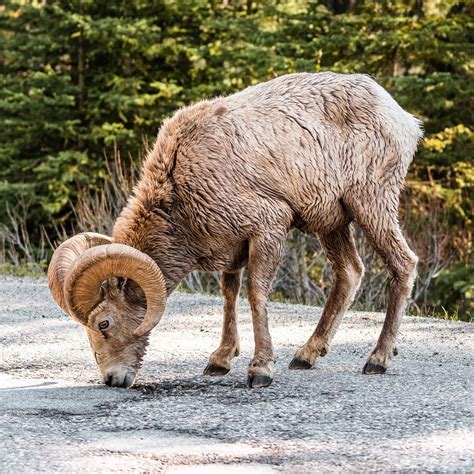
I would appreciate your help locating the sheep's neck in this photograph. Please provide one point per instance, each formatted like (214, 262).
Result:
(151, 233)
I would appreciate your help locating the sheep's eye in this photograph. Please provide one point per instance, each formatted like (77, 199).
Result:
(103, 324)
(97, 357)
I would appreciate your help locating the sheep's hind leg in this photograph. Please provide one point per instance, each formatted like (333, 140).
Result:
(381, 227)
(229, 347)
(264, 256)
(347, 269)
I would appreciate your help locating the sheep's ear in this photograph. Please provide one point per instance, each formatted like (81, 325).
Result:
(113, 286)
(133, 293)
(122, 283)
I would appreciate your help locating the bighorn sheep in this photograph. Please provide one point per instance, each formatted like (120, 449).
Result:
(226, 180)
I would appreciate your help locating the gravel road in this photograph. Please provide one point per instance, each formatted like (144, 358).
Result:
(55, 416)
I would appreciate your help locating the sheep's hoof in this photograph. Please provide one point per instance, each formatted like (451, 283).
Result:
(214, 370)
(258, 381)
(299, 364)
(373, 369)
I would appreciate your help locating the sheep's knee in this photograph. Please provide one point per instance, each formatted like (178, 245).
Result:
(403, 276)
(411, 268)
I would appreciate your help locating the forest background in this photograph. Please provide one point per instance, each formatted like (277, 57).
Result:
(85, 85)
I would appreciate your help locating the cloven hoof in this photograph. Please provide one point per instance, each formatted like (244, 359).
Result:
(214, 370)
(373, 369)
(258, 381)
(299, 364)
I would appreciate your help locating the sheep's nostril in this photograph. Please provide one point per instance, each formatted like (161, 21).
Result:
(128, 380)
(124, 384)
(108, 380)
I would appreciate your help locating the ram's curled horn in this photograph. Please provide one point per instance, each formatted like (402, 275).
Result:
(64, 257)
(83, 281)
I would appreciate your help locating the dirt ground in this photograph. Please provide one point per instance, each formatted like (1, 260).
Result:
(56, 416)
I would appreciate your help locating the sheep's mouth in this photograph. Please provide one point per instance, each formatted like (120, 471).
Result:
(122, 379)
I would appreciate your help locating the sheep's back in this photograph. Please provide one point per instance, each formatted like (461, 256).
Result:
(291, 146)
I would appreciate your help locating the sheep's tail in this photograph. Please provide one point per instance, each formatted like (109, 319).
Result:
(413, 132)
(405, 128)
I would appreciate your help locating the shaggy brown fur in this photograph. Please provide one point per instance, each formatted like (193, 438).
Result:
(228, 178)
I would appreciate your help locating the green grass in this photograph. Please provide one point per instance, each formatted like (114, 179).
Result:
(25, 270)
(456, 315)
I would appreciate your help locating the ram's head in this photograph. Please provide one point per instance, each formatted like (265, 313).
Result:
(117, 292)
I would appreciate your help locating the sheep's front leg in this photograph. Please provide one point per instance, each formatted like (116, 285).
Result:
(229, 347)
(264, 257)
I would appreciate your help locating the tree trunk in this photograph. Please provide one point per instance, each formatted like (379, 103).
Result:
(341, 6)
(81, 72)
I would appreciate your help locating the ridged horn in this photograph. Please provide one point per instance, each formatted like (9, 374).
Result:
(64, 257)
(93, 267)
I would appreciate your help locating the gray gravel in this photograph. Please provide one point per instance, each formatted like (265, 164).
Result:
(55, 416)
